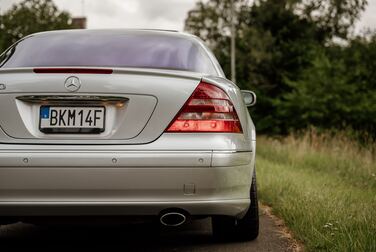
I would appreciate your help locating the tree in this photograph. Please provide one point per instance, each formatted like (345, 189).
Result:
(268, 33)
(278, 46)
(277, 41)
(28, 17)
(328, 95)
(333, 17)
(211, 21)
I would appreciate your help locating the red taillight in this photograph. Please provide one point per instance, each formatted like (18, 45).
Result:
(209, 109)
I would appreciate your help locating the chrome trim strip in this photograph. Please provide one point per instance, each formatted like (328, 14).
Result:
(69, 99)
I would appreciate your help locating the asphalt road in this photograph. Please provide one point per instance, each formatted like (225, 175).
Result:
(195, 236)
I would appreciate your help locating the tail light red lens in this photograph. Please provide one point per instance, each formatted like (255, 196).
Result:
(209, 109)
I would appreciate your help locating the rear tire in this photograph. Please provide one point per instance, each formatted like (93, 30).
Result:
(245, 229)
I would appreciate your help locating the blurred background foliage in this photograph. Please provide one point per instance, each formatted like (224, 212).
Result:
(301, 57)
(30, 16)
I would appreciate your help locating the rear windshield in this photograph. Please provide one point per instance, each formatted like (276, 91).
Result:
(96, 49)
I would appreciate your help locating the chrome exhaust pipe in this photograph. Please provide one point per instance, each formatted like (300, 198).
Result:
(173, 219)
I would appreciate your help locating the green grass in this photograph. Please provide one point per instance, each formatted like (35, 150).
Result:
(323, 187)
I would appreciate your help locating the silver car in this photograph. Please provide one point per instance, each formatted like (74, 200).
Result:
(125, 123)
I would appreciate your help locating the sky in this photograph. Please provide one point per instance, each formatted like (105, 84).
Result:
(158, 14)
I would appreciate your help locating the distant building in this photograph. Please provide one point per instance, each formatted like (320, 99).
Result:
(79, 22)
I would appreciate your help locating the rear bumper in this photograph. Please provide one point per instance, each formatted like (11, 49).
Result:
(235, 207)
(66, 183)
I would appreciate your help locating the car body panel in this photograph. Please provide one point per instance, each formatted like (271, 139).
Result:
(233, 207)
(146, 180)
(150, 108)
(159, 103)
(123, 183)
(134, 167)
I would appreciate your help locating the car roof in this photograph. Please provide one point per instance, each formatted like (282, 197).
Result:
(172, 33)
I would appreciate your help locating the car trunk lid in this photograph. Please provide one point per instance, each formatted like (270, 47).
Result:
(139, 104)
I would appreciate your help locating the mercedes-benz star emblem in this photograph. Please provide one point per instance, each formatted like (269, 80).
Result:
(72, 84)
